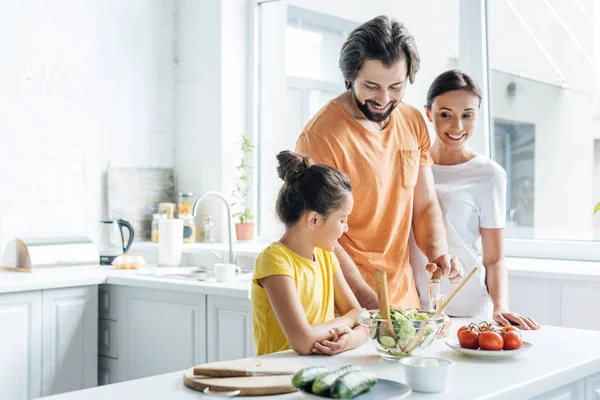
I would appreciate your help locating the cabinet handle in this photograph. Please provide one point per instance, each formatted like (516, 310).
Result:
(107, 303)
(107, 338)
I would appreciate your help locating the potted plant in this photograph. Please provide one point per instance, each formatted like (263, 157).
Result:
(244, 228)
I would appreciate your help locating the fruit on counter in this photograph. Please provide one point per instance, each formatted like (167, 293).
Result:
(512, 340)
(305, 377)
(468, 337)
(489, 340)
(352, 384)
(486, 336)
(322, 385)
(344, 383)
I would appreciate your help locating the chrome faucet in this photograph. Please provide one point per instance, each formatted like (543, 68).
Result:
(220, 196)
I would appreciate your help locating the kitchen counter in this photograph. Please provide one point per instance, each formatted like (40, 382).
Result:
(559, 356)
(11, 282)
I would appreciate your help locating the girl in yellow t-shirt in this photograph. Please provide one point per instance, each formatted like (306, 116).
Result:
(297, 281)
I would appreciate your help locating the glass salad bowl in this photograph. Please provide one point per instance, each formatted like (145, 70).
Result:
(413, 332)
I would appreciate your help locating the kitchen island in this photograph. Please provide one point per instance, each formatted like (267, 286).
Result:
(562, 364)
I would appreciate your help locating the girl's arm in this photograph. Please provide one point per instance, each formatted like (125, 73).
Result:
(497, 279)
(291, 316)
(345, 338)
(345, 300)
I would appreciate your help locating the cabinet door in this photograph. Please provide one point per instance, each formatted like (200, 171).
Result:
(592, 387)
(21, 345)
(159, 331)
(537, 299)
(70, 339)
(577, 298)
(572, 391)
(229, 324)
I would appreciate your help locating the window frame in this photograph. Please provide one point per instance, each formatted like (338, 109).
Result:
(474, 59)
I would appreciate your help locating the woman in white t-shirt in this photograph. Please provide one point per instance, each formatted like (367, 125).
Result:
(471, 190)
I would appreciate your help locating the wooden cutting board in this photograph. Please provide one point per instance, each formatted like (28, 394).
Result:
(247, 367)
(247, 385)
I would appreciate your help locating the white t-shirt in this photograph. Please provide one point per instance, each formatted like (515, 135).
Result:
(472, 195)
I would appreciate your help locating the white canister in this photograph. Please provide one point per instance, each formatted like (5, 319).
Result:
(170, 242)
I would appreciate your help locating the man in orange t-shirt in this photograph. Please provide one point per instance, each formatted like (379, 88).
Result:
(382, 144)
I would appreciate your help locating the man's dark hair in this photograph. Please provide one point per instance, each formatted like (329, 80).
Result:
(383, 38)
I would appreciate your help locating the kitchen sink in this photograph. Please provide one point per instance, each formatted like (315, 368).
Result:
(189, 273)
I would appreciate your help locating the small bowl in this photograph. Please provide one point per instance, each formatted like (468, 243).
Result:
(427, 374)
(394, 350)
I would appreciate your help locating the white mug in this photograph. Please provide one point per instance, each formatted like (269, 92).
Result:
(226, 272)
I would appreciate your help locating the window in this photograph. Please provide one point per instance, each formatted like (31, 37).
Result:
(543, 89)
(302, 68)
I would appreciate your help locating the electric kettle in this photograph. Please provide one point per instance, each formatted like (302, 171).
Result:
(112, 241)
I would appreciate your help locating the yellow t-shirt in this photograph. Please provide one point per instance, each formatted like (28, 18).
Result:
(314, 284)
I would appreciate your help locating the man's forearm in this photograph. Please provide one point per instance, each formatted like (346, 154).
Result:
(430, 234)
(361, 289)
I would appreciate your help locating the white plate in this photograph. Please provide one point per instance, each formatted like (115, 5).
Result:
(383, 390)
(454, 345)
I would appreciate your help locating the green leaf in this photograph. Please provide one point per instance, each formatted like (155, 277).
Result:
(597, 208)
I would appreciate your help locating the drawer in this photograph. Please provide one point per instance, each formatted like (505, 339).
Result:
(107, 338)
(107, 371)
(107, 302)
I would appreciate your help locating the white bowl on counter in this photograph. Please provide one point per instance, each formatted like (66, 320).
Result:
(427, 374)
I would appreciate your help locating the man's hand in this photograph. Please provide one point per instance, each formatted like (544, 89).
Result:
(449, 264)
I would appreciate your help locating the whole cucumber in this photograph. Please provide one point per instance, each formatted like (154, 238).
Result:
(304, 378)
(322, 385)
(352, 384)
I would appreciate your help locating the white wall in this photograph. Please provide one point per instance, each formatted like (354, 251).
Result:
(211, 97)
(83, 84)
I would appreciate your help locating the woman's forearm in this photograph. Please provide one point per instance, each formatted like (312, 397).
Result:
(497, 283)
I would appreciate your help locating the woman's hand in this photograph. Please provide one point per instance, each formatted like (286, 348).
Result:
(506, 318)
(337, 344)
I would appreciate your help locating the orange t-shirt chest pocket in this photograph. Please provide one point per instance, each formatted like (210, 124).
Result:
(409, 164)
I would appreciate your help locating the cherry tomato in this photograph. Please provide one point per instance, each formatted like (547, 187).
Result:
(484, 326)
(467, 337)
(512, 340)
(509, 328)
(490, 341)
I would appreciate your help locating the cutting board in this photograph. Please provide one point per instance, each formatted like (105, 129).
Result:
(247, 385)
(245, 367)
(253, 377)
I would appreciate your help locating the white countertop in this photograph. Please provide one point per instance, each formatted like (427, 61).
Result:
(11, 282)
(546, 366)
(19, 281)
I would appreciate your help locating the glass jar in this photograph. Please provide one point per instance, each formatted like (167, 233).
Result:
(155, 218)
(185, 202)
(168, 209)
(207, 229)
(189, 228)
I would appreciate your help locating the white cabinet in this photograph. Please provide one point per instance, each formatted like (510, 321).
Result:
(577, 299)
(592, 387)
(158, 331)
(48, 342)
(70, 335)
(21, 345)
(539, 299)
(229, 323)
(572, 391)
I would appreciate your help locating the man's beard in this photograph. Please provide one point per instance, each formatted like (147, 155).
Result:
(371, 116)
